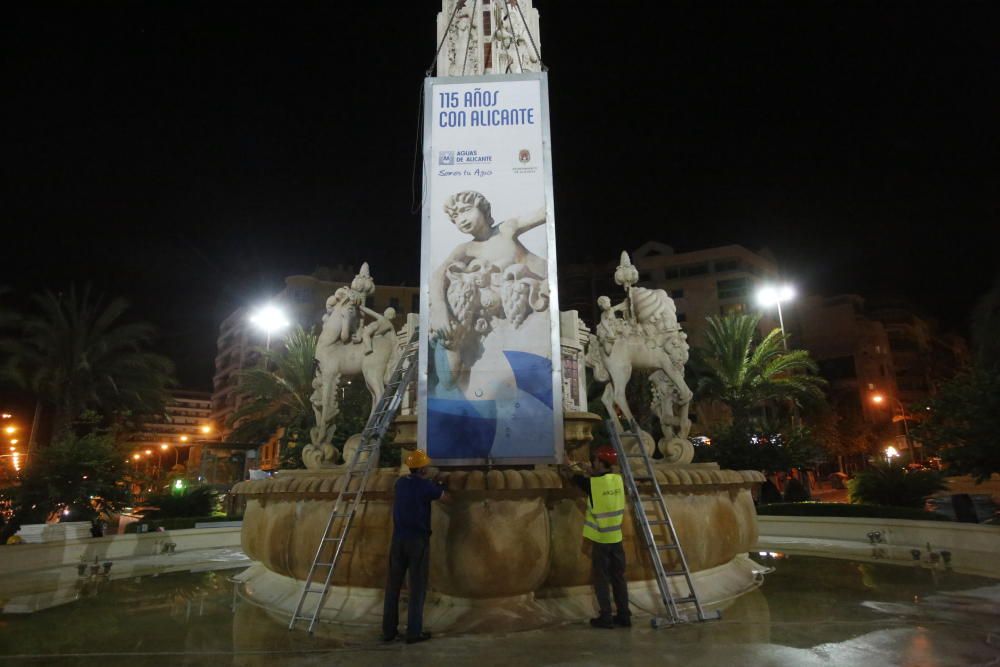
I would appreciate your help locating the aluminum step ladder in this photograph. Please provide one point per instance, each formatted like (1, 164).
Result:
(649, 510)
(363, 462)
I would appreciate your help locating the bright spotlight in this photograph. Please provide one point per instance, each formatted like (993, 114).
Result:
(269, 318)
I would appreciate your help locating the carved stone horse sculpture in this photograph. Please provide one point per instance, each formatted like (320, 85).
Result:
(633, 351)
(341, 351)
(646, 336)
(335, 362)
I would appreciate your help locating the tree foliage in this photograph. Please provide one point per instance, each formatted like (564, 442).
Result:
(757, 380)
(84, 473)
(888, 484)
(963, 423)
(986, 328)
(276, 397)
(747, 373)
(74, 352)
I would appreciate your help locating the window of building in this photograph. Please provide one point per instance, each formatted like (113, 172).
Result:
(415, 303)
(837, 368)
(735, 288)
(677, 294)
(727, 265)
(696, 270)
(370, 302)
(682, 317)
(672, 273)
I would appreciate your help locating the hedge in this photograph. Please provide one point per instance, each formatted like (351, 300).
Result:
(175, 523)
(849, 511)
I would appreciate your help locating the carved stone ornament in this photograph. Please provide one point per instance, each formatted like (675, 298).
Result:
(642, 333)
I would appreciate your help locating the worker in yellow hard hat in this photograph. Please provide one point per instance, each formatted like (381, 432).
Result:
(410, 550)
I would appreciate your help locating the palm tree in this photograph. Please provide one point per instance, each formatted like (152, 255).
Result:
(276, 395)
(747, 375)
(75, 354)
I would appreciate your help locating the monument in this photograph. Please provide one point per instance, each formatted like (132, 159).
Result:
(501, 395)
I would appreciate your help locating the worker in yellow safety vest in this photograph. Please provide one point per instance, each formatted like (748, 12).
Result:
(602, 528)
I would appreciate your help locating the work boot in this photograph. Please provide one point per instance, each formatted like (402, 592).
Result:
(602, 622)
(623, 621)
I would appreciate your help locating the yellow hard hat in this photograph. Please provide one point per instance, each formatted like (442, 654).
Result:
(417, 459)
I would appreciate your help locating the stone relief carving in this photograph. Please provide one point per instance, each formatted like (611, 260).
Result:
(642, 333)
(354, 340)
(463, 41)
(488, 37)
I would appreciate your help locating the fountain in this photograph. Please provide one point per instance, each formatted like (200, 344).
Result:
(509, 548)
(502, 396)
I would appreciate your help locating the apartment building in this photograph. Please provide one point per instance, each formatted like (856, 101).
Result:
(180, 427)
(852, 350)
(923, 356)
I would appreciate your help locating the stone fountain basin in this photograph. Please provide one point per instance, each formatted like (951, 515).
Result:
(508, 535)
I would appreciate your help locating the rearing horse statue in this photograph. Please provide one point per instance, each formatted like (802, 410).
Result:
(645, 337)
(348, 347)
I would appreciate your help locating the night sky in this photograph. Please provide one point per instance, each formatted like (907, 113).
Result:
(188, 155)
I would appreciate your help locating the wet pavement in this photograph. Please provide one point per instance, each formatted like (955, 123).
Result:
(810, 611)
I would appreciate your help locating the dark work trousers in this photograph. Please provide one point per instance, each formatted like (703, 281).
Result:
(411, 555)
(608, 561)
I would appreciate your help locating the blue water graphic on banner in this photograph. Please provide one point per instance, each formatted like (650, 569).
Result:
(520, 426)
(533, 374)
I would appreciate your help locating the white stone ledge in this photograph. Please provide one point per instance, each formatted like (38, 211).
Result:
(24, 558)
(974, 548)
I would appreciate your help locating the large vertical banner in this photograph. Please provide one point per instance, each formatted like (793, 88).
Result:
(490, 374)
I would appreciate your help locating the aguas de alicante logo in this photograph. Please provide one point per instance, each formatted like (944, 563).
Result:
(524, 156)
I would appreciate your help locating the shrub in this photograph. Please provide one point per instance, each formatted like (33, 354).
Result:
(848, 511)
(886, 484)
(193, 501)
(81, 473)
(177, 523)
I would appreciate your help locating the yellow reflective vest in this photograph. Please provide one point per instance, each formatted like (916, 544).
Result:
(606, 510)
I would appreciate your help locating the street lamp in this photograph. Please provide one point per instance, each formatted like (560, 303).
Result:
(878, 399)
(269, 318)
(773, 296)
(891, 453)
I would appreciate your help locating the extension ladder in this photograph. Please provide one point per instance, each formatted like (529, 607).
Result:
(363, 462)
(649, 511)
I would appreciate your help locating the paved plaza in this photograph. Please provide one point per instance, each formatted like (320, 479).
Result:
(810, 611)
